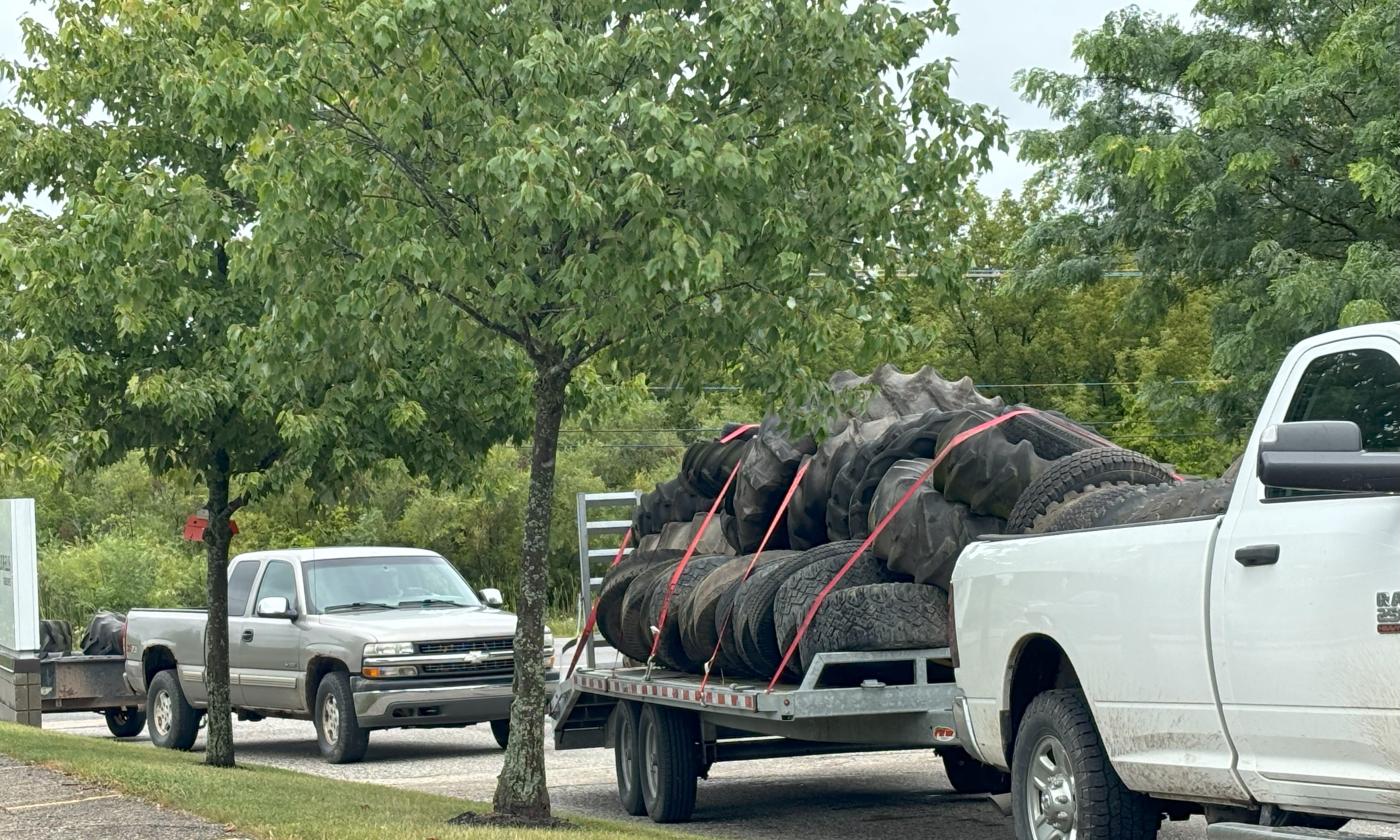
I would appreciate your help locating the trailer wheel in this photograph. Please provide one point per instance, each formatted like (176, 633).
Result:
(968, 775)
(627, 757)
(500, 730)
(125, 723)
(174, 723)
(669, 763)
(1062, 784)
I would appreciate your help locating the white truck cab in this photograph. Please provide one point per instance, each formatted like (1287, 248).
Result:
(1245, 665)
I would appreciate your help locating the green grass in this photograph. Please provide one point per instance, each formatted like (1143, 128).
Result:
(273, 803)
(563, 624)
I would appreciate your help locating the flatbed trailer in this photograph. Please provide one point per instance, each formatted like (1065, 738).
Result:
(666, 730)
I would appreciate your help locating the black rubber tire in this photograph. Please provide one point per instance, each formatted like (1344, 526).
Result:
(771, 460)
(634, 637)
(125, 723)
(670, 651)
(1052, 434)
(500, 730)
(753, 614)
(1176, 500)
(183, 724)
(1104, 807)
(731, 661)
(350, 740)
(627, 756)
(917, 438)
(670, 741)
(1085, 509)
(699, 630)
(987, 471)
(615, 585)
(104, 635)
(795, 594)
(881, 616)
(55, 637)
(968, 775)
(1073, 473)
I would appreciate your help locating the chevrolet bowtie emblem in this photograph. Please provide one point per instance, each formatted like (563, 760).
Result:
(473, 657)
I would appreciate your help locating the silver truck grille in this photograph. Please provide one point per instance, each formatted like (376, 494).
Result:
(475, 669)
(466, 646)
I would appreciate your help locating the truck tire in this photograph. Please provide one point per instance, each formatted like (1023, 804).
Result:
(627, 757)
(1177, 500)
(173, 723)
(795, 594)
(968, 775)
(699, 630)
(500, 730)
(125, 723)
(1088, 467)
(669, 649)
(881, 616)
(634, 634)
(1061, 775)
(670, 762)
(338, 733)
(731, 661)
(1086, 509)
(753, 614)
(615, 585)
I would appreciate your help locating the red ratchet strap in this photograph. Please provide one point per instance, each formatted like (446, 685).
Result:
(685, 558)
(737, 432)
(753, 561)
(880, 526)
(593, 613)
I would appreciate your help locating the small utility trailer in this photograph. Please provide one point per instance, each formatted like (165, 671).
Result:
(83, 683)
(666, 730)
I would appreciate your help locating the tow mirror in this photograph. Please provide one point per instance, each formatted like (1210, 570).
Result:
(492, 597)
(1325, 455)
(275, 606)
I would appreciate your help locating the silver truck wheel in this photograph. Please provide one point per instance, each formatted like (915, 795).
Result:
(162, 713)
(173, 723)
(330, 720)
(1051, 809)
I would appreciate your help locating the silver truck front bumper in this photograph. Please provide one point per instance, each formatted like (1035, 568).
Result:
(383, 706)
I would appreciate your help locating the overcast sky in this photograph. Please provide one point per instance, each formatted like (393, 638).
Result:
(995, 39)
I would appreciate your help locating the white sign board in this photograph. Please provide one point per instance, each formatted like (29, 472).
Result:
(19, 576)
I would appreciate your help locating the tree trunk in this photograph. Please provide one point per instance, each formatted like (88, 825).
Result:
(520, 789)
(218, 750)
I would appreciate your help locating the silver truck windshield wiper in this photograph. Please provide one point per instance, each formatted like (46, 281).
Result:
(433, 602)
(360, 605)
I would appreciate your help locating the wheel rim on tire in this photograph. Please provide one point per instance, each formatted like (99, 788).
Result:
(651, 760)
(1050, 803)
(162, 713)
(626, 743)
(330, 720)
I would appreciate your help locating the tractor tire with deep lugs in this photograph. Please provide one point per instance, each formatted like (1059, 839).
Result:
(1074, 473)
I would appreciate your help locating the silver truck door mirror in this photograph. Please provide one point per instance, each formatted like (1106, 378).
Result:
(274, 606)
(1325, 455)
(492, 597)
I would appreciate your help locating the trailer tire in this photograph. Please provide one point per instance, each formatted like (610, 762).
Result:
(795, 594)
(1078, 788)
(627, 757)
(173, 723)
(125, 723)
(1088, 467)
(670, 762)
(880, 616)
(968, 775)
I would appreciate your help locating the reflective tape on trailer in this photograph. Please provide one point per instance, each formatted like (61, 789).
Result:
(714, 697)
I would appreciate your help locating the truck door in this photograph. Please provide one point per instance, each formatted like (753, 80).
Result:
(265, 652)
(1306, 602)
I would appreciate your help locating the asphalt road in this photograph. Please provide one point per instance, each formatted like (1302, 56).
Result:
(872, 796)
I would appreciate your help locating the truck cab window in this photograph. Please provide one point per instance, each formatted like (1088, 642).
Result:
(240, 583)
(1362, 386)
(278, 581)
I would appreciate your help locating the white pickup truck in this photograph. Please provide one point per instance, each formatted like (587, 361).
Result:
(1245, 665)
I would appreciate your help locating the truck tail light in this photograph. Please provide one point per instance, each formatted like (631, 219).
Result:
(952, 629)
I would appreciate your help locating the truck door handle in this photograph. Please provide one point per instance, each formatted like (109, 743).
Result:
(1257, 555)
(247, 635)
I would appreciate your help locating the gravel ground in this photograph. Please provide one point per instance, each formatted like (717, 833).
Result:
(40, 804)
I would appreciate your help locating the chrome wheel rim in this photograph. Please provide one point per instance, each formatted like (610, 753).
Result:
(626, 745)
(330, 720)
(162, 713)
(1050, 802)
(651, 757)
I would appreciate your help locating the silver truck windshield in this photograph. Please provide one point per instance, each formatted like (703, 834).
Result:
(379, 583)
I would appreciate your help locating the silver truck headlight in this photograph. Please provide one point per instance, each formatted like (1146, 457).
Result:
(389, 649)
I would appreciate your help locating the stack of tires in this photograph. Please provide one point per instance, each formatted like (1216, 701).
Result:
(999, 470)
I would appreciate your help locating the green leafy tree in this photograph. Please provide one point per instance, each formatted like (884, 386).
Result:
(658, 187)
(128, 324)
(1256, 152)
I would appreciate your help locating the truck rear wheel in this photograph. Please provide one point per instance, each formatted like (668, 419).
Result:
(968, 775)
(1062, 784)
(669, 763)
(173, 722)
(338, 732)
(125, 723)
(627, 758)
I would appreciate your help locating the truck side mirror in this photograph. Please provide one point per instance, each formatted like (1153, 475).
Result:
(274, 606)
(1325, 455)
(492, 597)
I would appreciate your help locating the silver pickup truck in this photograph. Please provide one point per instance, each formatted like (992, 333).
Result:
(353, 639)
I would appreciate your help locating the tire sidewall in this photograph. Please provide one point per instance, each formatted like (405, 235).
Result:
(183, 722)
(350, 739)
(627, 758)
(1032, 729)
